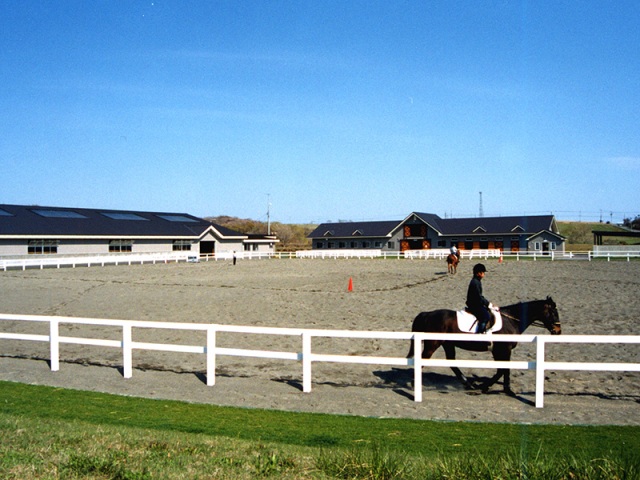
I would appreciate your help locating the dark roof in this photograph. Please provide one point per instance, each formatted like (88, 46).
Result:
(430, 219)
(56, 221)
(355, 229)
(512, 225)
(497, 225)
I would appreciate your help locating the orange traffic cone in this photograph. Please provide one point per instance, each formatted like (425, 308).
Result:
(500, 259)
(350, 288)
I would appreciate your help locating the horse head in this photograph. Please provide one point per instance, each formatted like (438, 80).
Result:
(551, 317)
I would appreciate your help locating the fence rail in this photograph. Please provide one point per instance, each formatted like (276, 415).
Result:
(56, 261)
(306, 354)
(51, 261)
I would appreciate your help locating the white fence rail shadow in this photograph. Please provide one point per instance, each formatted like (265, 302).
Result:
(306, 354)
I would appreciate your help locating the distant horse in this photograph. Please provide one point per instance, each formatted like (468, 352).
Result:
(452, 263)
(515, 320)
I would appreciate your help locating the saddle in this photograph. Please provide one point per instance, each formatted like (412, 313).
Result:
(468, 323)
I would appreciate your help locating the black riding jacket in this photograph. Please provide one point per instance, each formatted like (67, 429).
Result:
(475, 300)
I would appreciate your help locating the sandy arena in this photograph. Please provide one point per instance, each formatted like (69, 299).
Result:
(592, 297)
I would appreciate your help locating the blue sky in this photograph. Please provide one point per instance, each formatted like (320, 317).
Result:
(329, 110)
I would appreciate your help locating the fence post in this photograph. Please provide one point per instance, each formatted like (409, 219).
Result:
(417, 369)
(540, 361)
(54, 344)
(211, 356)
(127, 351)
(306, 362)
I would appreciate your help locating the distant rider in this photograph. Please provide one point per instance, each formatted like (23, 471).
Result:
(477, 304)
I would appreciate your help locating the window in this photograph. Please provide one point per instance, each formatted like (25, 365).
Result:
(536, 246)
(181, 245)
(319, 244)
(119, 246)
(177, 218)
(553, 245)
(442, 243)
(391, 245)
(42, 247)
(123, 216)
(58, 213)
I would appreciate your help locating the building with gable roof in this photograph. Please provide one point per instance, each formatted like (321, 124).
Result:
(420, 231)
(35, 230)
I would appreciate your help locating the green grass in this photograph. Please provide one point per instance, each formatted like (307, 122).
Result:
(49, 432)
(581, 234)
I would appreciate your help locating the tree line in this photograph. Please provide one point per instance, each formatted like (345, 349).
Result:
(292, 236)
(633, 224)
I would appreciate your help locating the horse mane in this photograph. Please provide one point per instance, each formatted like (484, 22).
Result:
(521, 303)
(518, 309)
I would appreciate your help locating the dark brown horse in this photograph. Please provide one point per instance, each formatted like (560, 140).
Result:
(515, 320)
(452, 263)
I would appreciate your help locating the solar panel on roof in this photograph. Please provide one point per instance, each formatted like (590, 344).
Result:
(4, 213)
(58, 213)
(177, 218)
(123, 216)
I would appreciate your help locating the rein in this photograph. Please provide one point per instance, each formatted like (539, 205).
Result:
(535, 323)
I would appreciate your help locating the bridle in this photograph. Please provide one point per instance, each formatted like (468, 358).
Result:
(536, 322)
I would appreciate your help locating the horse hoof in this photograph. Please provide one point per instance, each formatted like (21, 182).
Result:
(485, 390)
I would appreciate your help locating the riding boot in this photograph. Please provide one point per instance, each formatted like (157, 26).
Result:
(482, 328)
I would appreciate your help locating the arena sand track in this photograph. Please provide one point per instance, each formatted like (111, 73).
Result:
(593, 298)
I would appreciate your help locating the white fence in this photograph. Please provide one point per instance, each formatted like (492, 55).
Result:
(55, 261)
(340, 253)
(442, 253)
(621, 254)
(50, 261)
(306, 355)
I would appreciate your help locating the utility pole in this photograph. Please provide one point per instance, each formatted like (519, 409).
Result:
(268, 214)
(481, 212)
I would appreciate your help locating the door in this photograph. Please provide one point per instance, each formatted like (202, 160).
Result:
(207, 248)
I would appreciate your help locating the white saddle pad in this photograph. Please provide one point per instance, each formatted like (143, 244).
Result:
(467, 323)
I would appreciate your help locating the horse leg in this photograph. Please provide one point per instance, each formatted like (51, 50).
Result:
(489, 383)
(501, 373)
(428, 349)
(450, 352)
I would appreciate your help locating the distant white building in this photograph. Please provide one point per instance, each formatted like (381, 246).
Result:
(36, 230)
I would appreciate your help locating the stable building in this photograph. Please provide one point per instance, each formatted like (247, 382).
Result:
(36, 230)
(423, 231)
